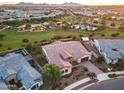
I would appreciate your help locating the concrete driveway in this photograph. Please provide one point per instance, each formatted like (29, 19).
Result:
(92, 68)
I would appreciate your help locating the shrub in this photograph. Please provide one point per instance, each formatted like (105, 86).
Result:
(25, 40)
(9, 48)
(69, 36)
(57, 37)
(28, 26)
(100, 59)
(112, 75)
(28, 47)
(92, 75)
(35, 42)
(102, 35)
(115, 34)
(119, 65)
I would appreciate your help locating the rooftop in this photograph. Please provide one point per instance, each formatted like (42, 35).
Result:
(114, 48)
(58, 51)
(16, 64)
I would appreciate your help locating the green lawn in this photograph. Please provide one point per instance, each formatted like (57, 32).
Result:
(14, 39)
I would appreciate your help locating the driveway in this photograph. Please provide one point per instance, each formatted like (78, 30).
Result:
(92, 68)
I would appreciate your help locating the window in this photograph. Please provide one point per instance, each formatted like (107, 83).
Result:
(84, 59)
(66, 70)
(62, 71)
(12, 81)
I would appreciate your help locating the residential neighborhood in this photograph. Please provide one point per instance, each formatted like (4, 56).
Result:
(67, 46)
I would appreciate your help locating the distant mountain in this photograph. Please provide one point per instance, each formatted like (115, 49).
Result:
(40, 4)
(71, 4)
(23, 3)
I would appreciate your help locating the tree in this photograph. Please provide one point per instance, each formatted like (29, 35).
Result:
(51, 75)
(28, 26)
(100, 59)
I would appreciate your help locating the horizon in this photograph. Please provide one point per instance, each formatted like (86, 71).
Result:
(88, 2)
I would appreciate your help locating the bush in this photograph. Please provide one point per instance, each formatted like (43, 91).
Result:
(35, 42)
(25, 40)
(112, 75)
(57, 37)
(100, 59)
(102, 35)
(115, 34)
(9, 48)
(92, 75)
(69, 36)
(28, 47)
(119, 65)
(28, 26)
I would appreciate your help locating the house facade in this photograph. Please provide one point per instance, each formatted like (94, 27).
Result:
(16, 73)
(66, 54)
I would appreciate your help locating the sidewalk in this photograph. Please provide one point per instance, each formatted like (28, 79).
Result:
(77, 84)
(100, 77)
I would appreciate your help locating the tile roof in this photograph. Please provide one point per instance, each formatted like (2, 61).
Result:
(3, 86)
(17, 64)
(55, 52)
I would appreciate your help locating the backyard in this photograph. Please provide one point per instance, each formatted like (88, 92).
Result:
(13, 39)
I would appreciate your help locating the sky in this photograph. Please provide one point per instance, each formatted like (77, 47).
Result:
(87, 2)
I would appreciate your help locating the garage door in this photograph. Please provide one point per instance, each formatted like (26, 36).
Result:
(84, 59)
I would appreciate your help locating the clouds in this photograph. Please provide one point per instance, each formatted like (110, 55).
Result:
(89, 2)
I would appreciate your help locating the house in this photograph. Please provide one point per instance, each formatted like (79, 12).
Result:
(111, 49)
(34, 28)
(66, 54)
(17, 73)
(89, 27)
(75, 26)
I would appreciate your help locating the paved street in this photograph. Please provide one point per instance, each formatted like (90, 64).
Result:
(117, 84)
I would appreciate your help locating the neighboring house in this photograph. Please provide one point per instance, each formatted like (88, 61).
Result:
(85, 26)
(66, 54)
(75, 26)
(88, 27)
(17, 73)
(34, 28)
(111, 49)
